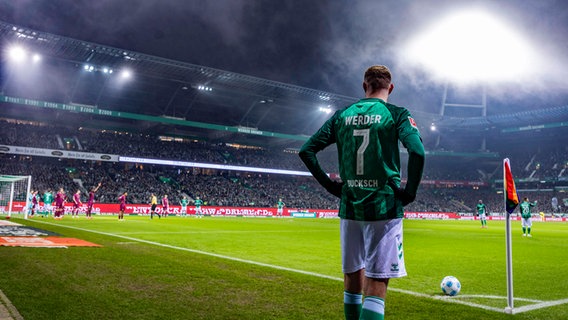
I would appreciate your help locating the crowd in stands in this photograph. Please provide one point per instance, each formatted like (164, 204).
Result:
(239, 188)
(215, 188)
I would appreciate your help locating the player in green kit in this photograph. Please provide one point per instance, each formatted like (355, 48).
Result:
(526, 216)
(198, 202)
(481, 213)
(280, 207)
(367, 134)
(183, 202)
(47, 201)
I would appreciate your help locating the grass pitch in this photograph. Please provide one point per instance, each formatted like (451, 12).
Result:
(268, 268)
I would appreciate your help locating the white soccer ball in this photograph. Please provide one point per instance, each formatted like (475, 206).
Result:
(450, 285)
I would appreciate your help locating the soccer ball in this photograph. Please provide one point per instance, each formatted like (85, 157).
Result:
(450, 285)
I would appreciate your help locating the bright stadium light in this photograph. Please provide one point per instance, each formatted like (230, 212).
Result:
(326, 109)
(17, 54)
(125, 74)
(204, 88)
(36, 58)
(472, 46)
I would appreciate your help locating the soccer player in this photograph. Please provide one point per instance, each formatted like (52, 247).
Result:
(91, 200)
(183, 204)
(47, 201)
(367, 134)
(165, 205)
(154, 204)
(526, 216)
(34, 201)
(29, 204)
(122, 201)
(280, 207)
(481, 213)
(198, 202)
(59, 204)
(76, 204)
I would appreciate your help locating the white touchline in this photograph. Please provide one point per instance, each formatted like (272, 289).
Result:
(526, 308)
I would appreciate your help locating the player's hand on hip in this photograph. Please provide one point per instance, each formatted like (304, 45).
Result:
(335, 188)
(401, 194)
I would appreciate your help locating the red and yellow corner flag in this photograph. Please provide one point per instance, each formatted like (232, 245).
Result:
(511, 196)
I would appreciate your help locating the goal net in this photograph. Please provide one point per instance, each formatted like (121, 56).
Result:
(15, 194)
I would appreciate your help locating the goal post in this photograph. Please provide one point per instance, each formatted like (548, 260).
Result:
(15, 189)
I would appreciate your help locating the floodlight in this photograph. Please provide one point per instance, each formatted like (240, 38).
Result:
(472, 46)
(326, 110)
(126, 74)
(17, 54)
(36, 58)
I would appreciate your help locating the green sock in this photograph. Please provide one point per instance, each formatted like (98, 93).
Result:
(373, 309)
(352, 303)
(529, 230)
(524, 230)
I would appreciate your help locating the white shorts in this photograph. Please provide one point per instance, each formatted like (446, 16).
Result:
(482, 216)
(375, 246)
(527, 222)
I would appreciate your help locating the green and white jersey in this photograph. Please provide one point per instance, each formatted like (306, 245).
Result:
(280, 205)
(481, 209)
(526, 209)
(198, 203)
(48, 197)
(367, 135)
(183, 202)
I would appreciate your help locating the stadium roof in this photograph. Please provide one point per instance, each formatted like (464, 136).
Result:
(74, 85)
(73, 73)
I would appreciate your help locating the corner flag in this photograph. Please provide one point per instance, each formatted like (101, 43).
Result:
(511, 202)
(511, 196)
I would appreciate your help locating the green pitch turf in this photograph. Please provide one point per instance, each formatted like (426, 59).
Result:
(269, 268)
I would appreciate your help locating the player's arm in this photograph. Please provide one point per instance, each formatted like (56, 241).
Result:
(411, 140)
(416, 158)
(324, 137)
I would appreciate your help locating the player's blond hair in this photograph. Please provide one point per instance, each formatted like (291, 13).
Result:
(378, 77)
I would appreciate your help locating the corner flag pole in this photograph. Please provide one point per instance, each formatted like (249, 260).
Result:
(511, 201)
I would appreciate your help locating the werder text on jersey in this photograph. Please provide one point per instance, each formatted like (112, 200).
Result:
(362, 119)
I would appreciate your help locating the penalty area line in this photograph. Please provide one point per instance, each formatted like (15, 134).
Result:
(412, 293)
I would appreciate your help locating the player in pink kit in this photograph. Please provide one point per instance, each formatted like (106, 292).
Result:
(165, 205)
(34, 203)
(91, 200)
(122, 201)
(59, 204)
(76, 204)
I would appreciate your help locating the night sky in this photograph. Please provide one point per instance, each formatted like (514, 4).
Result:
(321, 44)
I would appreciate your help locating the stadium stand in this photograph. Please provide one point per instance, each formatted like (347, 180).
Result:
(533, 167)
